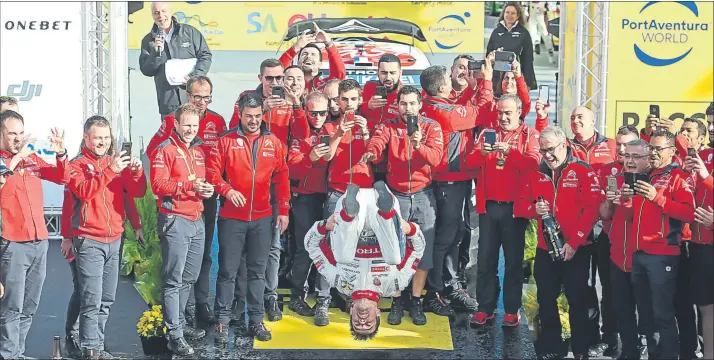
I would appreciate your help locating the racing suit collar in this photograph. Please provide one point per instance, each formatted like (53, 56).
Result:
(365, 294)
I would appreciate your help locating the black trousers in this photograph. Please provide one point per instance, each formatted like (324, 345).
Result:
(200, 288)
(551, 277)
(601, 264)
(306, 210)
(684, 307)
(654, 278)
(624, 306)
(499, 228)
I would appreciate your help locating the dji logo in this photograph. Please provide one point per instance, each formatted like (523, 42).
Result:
(24, 92)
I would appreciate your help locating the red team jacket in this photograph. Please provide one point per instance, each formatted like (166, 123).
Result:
(611, 169)
(21, 198)
(337, 68)
(99, 195)
(704, 197)
(504, 184)
(378, 115)
(345, 168)
(408, 170)
(602, 152)
(307, 177)
(174, 167)
(235, 160)
(279, 121)
(574, 194)
(210, 127)
(620, 231)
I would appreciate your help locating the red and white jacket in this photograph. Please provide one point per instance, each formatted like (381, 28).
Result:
(337, 68)
(573, 193)
(21, 199)
(210, 127)
(408, 170)
(503, 184)
(602, 151)
(280, 121)
(307, 177)
(99, 195)
(249, 164)
(174, 168)
(704, 197)
(620, 231)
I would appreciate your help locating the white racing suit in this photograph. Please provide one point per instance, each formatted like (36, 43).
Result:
(537, 26)
(365, 254)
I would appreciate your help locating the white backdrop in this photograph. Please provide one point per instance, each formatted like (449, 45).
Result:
(41, 65)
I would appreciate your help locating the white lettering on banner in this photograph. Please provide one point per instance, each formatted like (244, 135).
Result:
(40, 79)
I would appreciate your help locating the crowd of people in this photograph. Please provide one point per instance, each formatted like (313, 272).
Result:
(375, 190)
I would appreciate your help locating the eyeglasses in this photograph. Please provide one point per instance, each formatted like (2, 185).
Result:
(549, 150)
(658, 148)
(318, 113)
(199, 98)
(273, 78)
(634, 157)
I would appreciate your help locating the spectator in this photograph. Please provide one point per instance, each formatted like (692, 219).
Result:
(571, 183)
(512, 82)
(97, 233)
(181, 186)
(539, 29)
(24, 232)
(308, 177)
(667, 196)
(310, 59)
(451, 180)
(518, 40)
(9, 103)
(170, 40)
(635, 159)
(500, 166)
(409, 161)
(242, 227)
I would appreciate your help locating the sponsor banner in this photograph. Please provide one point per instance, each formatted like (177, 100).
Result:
(660, 53)
(46, 77)
(450, 27)
(363, 76)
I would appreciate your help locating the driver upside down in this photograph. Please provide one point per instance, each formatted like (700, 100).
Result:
(366, 251)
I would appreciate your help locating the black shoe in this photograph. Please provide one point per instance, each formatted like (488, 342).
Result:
(385, 201)
(612, 350)
(273, 311)
(580, 357)
(259, 331)
(193, 333)
(350, 205)
(300, 307)
(204, 314)
(435, 303)
(396, 312)
(597, 350)
(321, 308)
(222, 333)
(180, 347)
(190, 315)
(238, 313)
(537, 49)
(71, 347)
(460, 299)
(416, 312)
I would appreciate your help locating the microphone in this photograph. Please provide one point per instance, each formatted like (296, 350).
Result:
(160, 35)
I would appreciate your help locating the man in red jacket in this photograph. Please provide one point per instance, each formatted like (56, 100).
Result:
(660, 206)
(331, 90)
(310, 59)
(452, 180)
(569, 192)
(245, 220)
(500, 165)
(178, 179)
(377, 109)
(308, 177)
(635, 158)
(99, 184)
(211, 126)
(409, 161)
(23, 246)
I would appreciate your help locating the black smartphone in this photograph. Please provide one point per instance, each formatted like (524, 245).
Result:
(475, 65)
(412, 124)
(544, 94)
(642, 177)
(279, 91)
(126, 148)
(489, 136)
(630, 180)
(691, 152)
(503, 61)
(612, 183)
(325, 140)
(381, 91)
(654, 110)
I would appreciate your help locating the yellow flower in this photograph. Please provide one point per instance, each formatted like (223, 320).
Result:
(165, 330)
(146, 313)
(155, 314)
(151, 319)
(149, 327)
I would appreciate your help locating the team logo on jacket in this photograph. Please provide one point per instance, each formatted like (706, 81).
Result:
(211, 126)
(240, 142)
(613, 171)
(376, 281)
(461, 111)
(711, 156)
(268, 144)
(379, 269)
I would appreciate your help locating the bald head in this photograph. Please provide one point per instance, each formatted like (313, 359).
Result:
(161, 12)
(582, 123)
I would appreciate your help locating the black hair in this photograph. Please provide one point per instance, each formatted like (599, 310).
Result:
(314, 46)
(269, 63)
(250, 100)
(406, 90)
(347, 85)
(432, 78)
(10, 114)
(701, 128)
(389, 58)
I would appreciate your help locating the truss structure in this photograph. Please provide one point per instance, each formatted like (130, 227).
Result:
(591, 56)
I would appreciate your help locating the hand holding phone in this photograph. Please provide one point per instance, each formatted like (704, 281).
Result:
(544, 93)
(654, 110)
(412, 124)
(503, 61)
(126, 149)
(489, 136)
(612, 184)
(381, 91)
(278, 91)
(325, 140)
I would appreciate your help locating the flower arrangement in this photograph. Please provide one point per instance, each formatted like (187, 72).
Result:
(151, 323)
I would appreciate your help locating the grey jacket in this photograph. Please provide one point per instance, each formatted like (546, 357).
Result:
(187, 42)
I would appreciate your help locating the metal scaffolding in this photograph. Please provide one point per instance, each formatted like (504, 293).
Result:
(591, 35)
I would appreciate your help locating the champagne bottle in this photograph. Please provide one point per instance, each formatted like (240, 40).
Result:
(553, 236)
(56, 350)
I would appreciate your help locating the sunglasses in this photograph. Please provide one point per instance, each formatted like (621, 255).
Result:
(273, 78)
(318, 113)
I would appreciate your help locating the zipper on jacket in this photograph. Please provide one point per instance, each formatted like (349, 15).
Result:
(624, 248)
(639, 224)
(664, 237)
(109, 216)
(409, 163)
(255, 166)
(699, 226)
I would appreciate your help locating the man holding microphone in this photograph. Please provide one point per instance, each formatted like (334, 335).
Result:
(178, 178)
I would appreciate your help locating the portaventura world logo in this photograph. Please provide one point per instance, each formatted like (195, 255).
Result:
(664, 32)
(450, 26)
